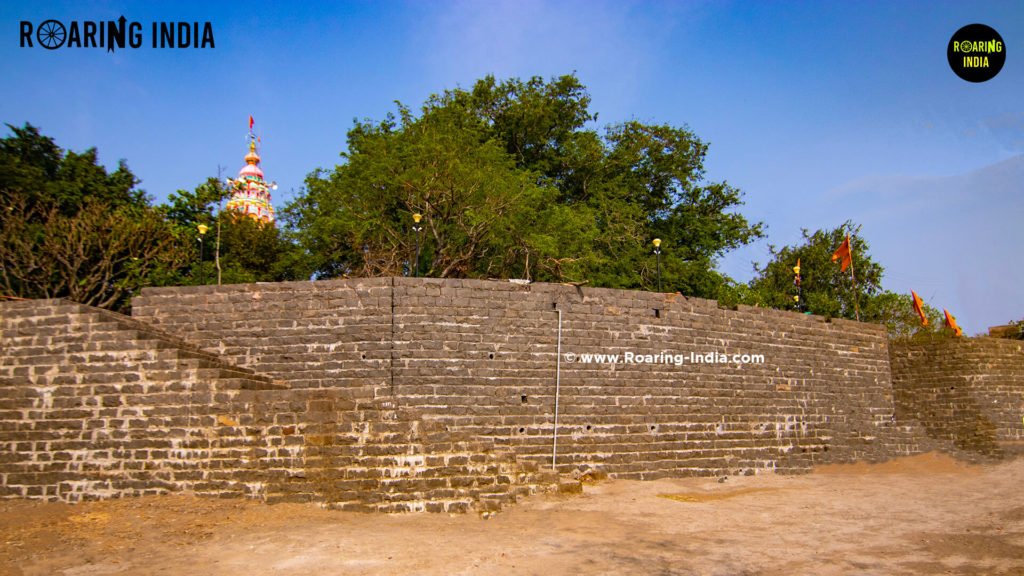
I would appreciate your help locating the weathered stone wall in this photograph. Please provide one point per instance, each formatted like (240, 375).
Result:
(95, 405)
(969, 391)
(481, 357)
(401, 394)
(98, 405)
(820, 395)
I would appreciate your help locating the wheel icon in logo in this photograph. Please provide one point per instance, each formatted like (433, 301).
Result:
(51, 34)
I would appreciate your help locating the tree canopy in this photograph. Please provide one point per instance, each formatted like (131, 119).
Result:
(511, 179)
(244, 250)
(511, 183)
(829, 291)
(71, 229)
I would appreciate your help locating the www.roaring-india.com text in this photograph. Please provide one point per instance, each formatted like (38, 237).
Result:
(669, 358)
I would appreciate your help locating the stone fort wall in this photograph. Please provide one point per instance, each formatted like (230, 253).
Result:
(968, 392)
(98, 405)
(401, 394)
(482, 357)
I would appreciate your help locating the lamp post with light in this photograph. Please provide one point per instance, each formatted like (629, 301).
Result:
(416, 227)
(657, 253)
(202, 231)
(799, 298)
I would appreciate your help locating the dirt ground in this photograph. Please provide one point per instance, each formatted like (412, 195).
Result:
(922, 515)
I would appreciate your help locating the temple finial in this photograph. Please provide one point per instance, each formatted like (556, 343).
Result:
(251, 196)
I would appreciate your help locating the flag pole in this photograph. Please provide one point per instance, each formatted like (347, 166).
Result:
(853, 275)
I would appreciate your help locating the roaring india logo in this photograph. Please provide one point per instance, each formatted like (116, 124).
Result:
(976, 53)
(53, 34)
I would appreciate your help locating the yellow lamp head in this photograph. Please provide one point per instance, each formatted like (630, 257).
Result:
(417, 217)
(657, 242)
(202, 229)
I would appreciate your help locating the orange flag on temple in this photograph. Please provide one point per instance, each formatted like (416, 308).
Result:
(919, 308)
(951, 323)
(843, 252)
(250, 122)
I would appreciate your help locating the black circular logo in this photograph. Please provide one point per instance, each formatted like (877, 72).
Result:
(976, 53)
(51, 34)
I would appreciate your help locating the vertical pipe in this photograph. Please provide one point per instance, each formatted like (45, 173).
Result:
(558, 384)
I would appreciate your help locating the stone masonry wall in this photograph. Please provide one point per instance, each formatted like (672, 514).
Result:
(402, 394)
(94, 405)
(98, 405)
(480, 358)
(969, 391)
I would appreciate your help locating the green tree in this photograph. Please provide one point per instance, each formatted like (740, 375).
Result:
(827, 290)
(540, 124)
(512, 183)
(896, 312)
(184, 211)
(830, 292)
(253, 251)
(68, 228)
(1019, 333)
(34, 167)
(245, 250)
(358, 221)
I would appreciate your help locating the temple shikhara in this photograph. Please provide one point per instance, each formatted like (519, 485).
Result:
(251, 195)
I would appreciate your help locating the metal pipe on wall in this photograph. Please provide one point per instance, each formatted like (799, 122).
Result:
(558, 385)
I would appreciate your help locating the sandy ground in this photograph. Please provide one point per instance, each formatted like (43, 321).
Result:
(921, 515)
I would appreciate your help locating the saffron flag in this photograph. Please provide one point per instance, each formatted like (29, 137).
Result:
(250, 123)
(919, 308)
(951, 323)
(843, 252)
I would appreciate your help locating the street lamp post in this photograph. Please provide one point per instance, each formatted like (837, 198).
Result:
(657, 252)
(202, 231)
(799, 298)
(416, 227)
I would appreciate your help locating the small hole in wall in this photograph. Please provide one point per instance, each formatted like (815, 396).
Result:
(554, 305)
(363, 356)
(523, 398)
(588, 427)
(491, 355)
(657, 313)
(653, 428)
(522, 430)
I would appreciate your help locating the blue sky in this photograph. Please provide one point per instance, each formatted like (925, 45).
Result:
(819, 111)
